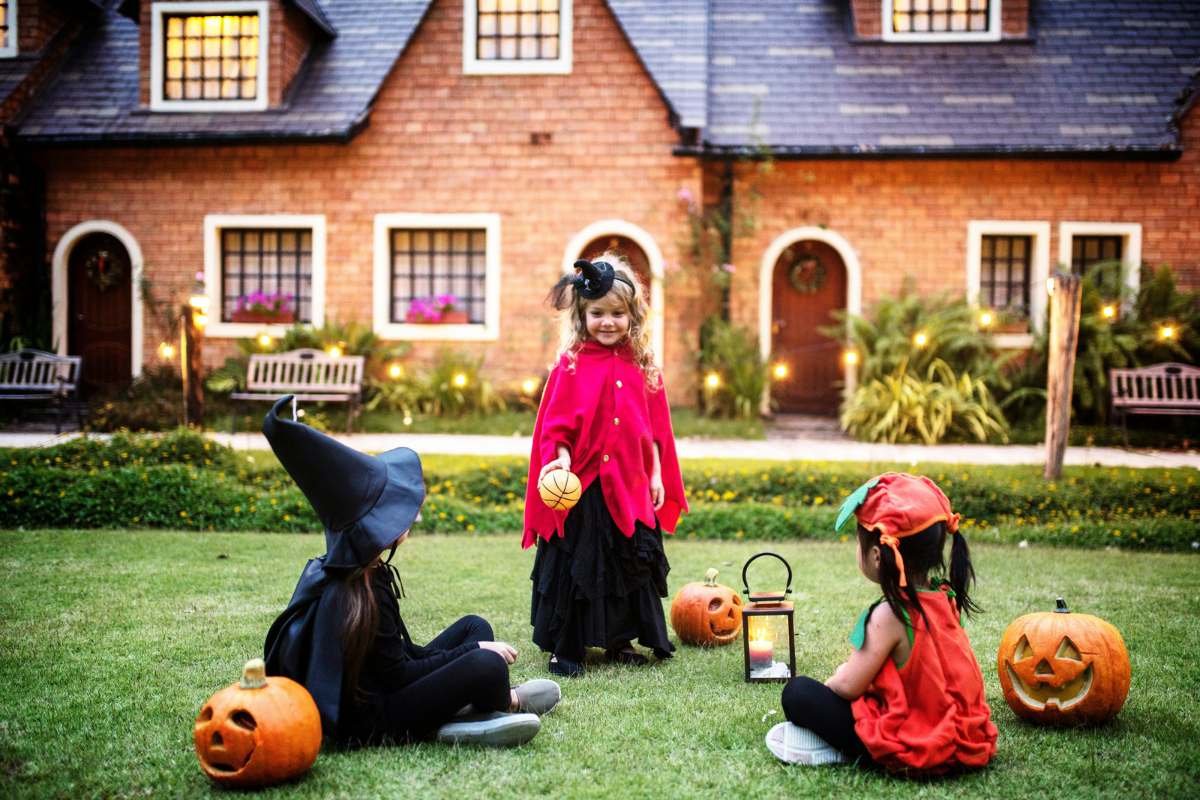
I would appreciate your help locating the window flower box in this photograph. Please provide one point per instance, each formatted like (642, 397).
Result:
(264, 308)
(438, 310)
(268, 317)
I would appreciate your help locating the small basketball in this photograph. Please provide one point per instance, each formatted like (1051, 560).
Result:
(560, 489)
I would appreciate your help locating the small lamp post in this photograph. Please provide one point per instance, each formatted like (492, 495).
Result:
(194, 317)
(770, 618)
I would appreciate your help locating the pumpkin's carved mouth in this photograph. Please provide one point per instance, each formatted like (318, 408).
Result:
(721, 633)
(1042, 694)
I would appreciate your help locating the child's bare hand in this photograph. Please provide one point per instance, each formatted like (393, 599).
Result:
(657, 494)
(558, 463)
(506, 651)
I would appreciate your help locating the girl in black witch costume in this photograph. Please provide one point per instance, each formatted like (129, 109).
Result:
(342, 637)
(600, 570)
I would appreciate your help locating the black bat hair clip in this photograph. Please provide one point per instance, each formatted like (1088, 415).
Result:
(593, 281)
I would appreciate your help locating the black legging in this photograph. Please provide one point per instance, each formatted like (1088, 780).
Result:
(479, 678)
(813, 705)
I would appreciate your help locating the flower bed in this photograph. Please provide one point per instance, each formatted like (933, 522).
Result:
(183, 481)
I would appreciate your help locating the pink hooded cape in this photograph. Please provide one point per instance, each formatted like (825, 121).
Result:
(603, 412)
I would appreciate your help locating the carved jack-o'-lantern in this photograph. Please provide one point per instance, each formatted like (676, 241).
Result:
(707, 613)
(258, 731)
(1060, 668)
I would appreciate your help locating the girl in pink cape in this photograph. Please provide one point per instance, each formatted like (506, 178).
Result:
(600, 569)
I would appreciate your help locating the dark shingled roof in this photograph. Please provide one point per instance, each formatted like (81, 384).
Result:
(1107, 76)
(1092, 76)
(96, 95)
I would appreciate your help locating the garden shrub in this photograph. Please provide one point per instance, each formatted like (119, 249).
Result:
(182, 481)
(732, 354)
(153, 401)
(439, 392)
(901, 407)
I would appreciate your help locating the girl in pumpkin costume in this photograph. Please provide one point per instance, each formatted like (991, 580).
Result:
(342, 637)
(911, 695)
(600, 569)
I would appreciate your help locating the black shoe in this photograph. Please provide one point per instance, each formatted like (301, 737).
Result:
(625, 657)
(565, 668)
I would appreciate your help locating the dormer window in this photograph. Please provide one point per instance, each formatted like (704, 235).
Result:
(208, 56)
(941, 20)
(515, 37)
(8, 28)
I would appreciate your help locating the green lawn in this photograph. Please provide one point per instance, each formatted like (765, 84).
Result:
(110, 642)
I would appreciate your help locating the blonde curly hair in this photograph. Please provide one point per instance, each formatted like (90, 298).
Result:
(572, 323)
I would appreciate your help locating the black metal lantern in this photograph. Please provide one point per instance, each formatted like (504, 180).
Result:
(770, 619)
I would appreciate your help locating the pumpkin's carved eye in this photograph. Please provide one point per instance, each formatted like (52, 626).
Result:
(1067, 649)
(244, 720)
(1023, 650)
(206, 714)
(714, 604)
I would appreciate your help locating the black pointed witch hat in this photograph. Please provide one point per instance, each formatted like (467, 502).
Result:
(365, 502)
(592, 282)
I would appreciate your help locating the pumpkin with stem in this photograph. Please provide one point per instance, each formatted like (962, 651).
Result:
(1059, 668)
(258, 731)
(707, 614)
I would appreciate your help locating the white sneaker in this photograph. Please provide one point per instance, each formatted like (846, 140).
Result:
(795, 745)
(538, 696)
(496, 729)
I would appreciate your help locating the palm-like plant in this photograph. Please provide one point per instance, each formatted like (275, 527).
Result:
(900, 407)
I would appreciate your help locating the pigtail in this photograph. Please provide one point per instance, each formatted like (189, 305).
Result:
(962, 575)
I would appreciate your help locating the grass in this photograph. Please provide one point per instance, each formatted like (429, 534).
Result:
(110, 642)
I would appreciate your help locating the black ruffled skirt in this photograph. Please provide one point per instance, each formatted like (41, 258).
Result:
(597, 587)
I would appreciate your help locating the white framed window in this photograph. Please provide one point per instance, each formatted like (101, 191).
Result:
(941, 20)
(1082, 244)
(1007, 265)
(8, 28)
(272, 254)
(209, 56)
(422, 257)
(517, 37)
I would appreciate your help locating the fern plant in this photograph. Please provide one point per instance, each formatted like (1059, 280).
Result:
(731, 353)
(901, 407)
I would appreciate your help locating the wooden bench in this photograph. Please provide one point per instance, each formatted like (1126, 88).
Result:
(1159, 389)
(37, 375)
(310, 375)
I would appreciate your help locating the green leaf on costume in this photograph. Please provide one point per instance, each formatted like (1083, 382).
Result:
(851, 504)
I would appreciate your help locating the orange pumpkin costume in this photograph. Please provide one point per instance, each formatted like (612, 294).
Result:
(929, 716)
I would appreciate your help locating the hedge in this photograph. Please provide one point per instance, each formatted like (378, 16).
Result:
(183, 481)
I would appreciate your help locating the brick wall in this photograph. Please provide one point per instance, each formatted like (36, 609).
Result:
(295, 37)
(37, 21)
(438, 141)
(1014, 18)
(909, 218)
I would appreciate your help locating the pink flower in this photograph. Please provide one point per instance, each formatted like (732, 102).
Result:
(685, 196)
(729, 268)
(200, 277)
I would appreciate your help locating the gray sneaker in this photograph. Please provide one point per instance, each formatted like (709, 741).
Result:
(496, 729)
(538, 696)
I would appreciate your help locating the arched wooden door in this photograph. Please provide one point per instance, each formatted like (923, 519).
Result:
(100, 310)
(809, 282)
(632, 250)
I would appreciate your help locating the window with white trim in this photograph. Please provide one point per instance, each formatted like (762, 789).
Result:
(437, 276)
(514, 37)
(1082, 245)
(266, 265)
(208, 56)
(8, 28)
(941, 20)
(263, 272)
(1008, 262)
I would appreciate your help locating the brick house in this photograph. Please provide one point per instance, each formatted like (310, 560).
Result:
(362, 155)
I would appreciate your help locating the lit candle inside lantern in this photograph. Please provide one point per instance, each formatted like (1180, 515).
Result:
(761, 648)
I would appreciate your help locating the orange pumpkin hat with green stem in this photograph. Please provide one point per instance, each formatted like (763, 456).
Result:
(896, 505)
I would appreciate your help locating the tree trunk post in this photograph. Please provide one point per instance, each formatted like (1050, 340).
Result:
(1064, 336)
(190, 344)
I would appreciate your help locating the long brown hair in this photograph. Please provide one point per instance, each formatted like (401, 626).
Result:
(361, 625)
